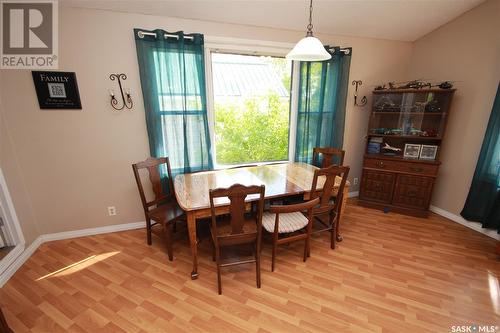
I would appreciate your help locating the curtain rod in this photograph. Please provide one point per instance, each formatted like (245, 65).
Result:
(345, 51)
(141, 34)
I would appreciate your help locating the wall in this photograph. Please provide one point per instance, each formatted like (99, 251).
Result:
(15, 180)
(66, 167)
(466, 50)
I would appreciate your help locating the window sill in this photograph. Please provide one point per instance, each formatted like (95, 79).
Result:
(243, 165)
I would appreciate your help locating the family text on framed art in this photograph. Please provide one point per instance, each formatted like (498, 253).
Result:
(57, 90)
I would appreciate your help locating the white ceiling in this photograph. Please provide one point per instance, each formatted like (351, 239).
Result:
(404, 20)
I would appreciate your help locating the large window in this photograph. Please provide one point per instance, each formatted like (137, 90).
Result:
(251, 105)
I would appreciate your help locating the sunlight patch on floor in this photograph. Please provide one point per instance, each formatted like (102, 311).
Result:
(494, 292)
(78, 266)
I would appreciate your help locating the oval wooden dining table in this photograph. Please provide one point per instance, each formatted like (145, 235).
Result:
(281, 180)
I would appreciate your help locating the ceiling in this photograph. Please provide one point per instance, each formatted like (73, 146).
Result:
(403, 20)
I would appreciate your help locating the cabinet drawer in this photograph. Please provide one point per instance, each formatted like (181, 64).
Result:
(377, 186)
(413, 191)
(402, 166)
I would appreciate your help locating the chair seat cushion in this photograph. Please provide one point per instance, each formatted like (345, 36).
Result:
(166, 212)
(288, 222)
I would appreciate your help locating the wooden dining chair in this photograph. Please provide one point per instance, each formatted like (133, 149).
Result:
(328, 156)
(241, 227)
(289, 220)
(327, 212)
(163, 209)
(324, 157)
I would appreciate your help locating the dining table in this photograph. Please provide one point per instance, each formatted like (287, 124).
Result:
(281, 180)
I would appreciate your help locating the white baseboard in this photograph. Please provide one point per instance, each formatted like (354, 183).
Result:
(21, 259)
(92, 231)
(472, 225)
(353, 194)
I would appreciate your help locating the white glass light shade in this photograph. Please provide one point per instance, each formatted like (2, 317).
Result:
(309, 49)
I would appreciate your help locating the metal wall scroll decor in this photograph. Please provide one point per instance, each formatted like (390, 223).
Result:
(126, 97)
(363, 99)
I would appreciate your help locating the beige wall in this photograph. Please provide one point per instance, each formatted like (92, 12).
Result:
(15, 180)
(466, 50)
(65, 167)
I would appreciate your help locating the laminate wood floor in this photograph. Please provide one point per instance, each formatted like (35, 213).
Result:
(392, 273)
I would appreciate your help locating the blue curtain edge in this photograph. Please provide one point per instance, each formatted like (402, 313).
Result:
(144, 45)
(486, 215)
(335, 141)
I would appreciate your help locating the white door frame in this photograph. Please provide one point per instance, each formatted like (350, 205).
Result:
(12, 225)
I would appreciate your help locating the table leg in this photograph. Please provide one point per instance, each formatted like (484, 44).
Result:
(342, 208)
(191, 224)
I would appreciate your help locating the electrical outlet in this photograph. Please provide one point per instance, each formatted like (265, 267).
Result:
(111, 210)
(356, 180)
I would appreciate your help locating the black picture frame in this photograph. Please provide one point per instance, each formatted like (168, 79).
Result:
(57, 90)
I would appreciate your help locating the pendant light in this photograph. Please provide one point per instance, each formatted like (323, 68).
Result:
(309, 48)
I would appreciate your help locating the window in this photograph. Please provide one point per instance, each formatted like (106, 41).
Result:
(251, 108)
(181, 108)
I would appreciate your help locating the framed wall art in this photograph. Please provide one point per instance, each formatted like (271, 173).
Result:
(57, 90)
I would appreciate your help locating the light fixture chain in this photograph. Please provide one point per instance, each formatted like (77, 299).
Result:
(309, 48)
(310, 25)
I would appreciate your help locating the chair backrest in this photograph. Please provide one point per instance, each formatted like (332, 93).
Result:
(153, 167)
(237, 194)
(298, 207)
(325, 194)
(328, 156)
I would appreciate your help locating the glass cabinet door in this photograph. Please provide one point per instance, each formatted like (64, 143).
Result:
(420, 114)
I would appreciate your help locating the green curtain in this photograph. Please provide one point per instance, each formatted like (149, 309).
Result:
(483, 202)
(172, 74)
(321, 104)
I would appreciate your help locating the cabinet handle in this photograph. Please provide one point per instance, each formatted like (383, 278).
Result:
(381, 164)
(416, 169)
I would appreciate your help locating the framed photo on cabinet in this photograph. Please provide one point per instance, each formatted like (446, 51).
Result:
(428, 152)
(411, 150)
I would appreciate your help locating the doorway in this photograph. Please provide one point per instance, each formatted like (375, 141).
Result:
(11, 237)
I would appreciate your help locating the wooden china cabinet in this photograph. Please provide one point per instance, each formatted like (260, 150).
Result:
(400, 179)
